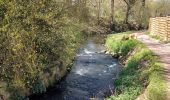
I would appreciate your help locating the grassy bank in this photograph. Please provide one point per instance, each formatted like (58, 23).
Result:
(141, 72)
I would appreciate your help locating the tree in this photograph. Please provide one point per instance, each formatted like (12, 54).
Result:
(38, 39)
(112, 10)
(98, 2)
(143, 3)
(129, 5)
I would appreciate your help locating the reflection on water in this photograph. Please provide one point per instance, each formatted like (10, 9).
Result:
(92, 75)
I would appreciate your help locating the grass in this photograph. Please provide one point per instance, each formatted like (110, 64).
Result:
(142, 70)
(157, 37)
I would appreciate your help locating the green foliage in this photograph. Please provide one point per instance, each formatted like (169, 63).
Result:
(157, 37)
(16, 93)
(157, 86)
(36, 39)
(119, 45)
(141, 70)
(127, 46)
(119, 15)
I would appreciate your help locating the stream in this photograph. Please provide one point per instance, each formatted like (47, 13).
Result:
(92, 75)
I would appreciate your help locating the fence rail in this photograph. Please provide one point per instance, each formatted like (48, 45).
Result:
(160, 26)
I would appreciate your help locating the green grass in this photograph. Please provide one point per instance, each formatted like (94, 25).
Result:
(157, 37)
(142, 70)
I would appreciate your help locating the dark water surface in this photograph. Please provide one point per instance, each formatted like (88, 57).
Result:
(92, 75)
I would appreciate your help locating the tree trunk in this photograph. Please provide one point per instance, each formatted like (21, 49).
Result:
(112, 10)
(143, 3)
(98, 12)
(112, 22)
(127, 14)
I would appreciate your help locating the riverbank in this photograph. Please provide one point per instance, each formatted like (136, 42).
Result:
(91, 76)
(162, 50)
(142, 70)
(41, 67)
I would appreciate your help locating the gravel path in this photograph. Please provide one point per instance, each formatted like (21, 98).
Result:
(162, 50)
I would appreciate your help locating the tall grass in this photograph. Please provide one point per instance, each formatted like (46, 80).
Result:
(142, 70)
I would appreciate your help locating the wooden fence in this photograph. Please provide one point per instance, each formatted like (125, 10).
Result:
(160, 26)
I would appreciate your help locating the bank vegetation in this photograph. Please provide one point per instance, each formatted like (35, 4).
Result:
(142, 74)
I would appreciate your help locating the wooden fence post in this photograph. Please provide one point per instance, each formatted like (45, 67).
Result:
(151, 26)
(168, 28)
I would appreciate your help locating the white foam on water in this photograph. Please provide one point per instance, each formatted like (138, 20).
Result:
(100, 74)
(81, 71)
(88, 52)
(85, 55)
(111, 66)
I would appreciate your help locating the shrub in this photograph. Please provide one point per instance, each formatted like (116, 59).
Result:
(35, 41)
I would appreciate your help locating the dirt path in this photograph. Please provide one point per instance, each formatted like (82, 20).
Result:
(162, 50)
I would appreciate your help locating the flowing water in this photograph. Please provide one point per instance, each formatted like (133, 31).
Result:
(92, 75)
